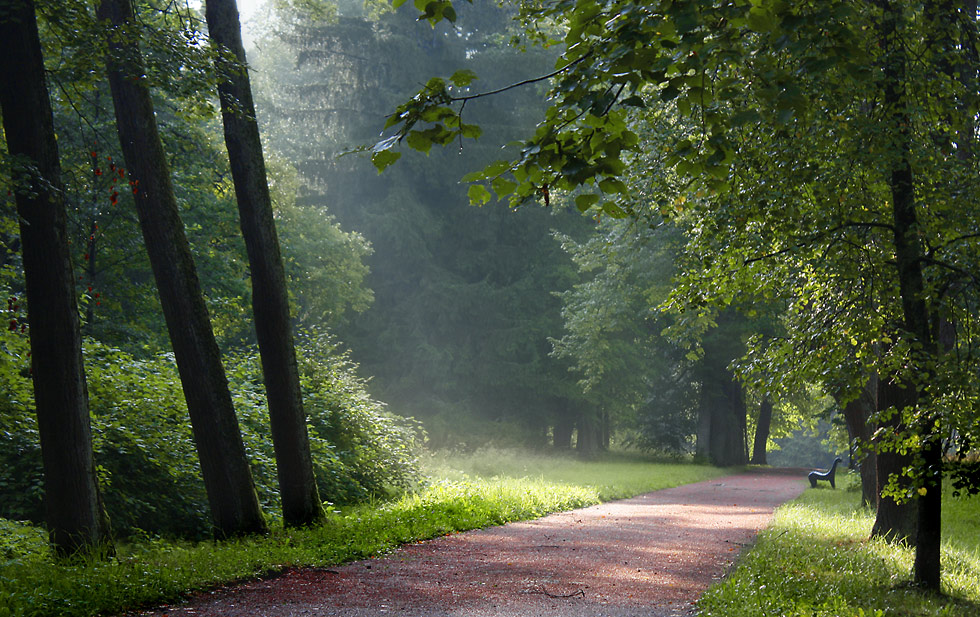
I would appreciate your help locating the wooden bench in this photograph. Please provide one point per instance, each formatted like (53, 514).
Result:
(825, 475)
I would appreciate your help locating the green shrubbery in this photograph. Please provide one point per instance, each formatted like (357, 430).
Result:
(144, 449)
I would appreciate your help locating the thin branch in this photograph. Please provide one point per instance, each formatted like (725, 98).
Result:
(532, 80)
(812, 239)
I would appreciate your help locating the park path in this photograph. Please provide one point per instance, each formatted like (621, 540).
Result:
(651, 556)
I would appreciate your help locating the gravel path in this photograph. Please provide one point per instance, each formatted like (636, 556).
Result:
(651, 555)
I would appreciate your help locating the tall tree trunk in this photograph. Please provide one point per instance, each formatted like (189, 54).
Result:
(224, 465)
(908, 258)
(75, 515)
(762, 432)
(270, 302)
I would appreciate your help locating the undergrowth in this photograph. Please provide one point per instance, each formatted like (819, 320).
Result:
(816, 560)
(157, 571)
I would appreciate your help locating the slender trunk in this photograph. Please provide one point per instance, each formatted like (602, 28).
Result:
(605, 431)
(91, 249)
(224, 465)
(270, 302)
(702, 448)
(908, 258)
(762, 432)
(74, 512)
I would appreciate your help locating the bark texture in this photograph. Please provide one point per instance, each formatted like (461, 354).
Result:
(75, 516)
(270, 302)
(224, 466)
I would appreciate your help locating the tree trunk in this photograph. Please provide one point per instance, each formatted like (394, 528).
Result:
(587, 441)
(224, 465)
(908, 258)
(893, 521)
(702, 449)
(605, 431)
(762, 433)
(563, 427)
(857, 414)
(74, 512)
(722, 401)
(270, 302)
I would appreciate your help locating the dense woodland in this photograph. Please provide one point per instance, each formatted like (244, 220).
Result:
(685, 227)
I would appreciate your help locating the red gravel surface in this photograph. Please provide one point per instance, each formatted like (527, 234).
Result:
(652, 555)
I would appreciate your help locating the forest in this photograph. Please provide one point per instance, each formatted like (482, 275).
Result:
(258, 270)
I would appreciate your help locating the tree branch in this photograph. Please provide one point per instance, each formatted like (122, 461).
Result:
(532, 80)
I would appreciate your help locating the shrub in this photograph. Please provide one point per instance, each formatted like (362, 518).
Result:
(144, 449)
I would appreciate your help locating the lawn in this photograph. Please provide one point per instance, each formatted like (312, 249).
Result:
(816, 560)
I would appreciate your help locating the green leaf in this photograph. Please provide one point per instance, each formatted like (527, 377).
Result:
(475, 176)
(612, 209)
(384, 158)
(502, 187)
(463, 78)
(419, 140)
(586, 201)
(478, 194)
(470, 131)
(613, 185)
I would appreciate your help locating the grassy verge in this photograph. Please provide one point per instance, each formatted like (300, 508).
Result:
(462, 496)
(815, 560)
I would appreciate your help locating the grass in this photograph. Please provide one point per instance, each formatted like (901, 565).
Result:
(479, 490)
(815, 560)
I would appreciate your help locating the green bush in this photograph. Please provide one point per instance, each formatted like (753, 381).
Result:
(144, 449)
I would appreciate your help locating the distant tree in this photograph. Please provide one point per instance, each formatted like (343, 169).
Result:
(463, 306)
(270, 302)
(227, 477)
(74, 512)
(763, 425)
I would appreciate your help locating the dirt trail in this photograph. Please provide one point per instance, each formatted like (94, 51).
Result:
(651, 555)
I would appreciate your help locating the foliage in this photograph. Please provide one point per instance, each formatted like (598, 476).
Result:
(157, 571)
(816, 559)
(145, 452)
(325, 265)
(613, 337)
(457, 334)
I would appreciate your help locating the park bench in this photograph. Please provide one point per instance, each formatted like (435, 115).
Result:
(825, 475)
